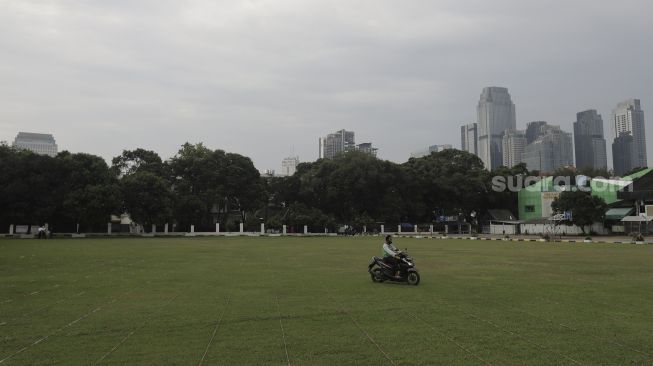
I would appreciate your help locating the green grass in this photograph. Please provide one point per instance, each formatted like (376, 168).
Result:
(310, 301)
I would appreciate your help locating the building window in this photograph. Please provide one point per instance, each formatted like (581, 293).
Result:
(530, 208)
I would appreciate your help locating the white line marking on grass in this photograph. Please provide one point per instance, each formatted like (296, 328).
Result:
(450, 339)
(124, 339)
(215, 330)
(49, 305)
(507, 331)
(570, 328)
(49, 335)
(42, 339)
(369, 337)
(283, 333)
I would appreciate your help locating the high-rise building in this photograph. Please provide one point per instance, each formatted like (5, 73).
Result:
(469, 138)
(431, 149)
(367, 148)
(622, 154)
(534, 130)
(552, 150)
(589, 142)
(513, 145)
(628, 117)
(496, 114)
(289, 165)
(336, 143)
(39, 143)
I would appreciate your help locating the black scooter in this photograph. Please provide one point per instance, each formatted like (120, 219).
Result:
(381, 271)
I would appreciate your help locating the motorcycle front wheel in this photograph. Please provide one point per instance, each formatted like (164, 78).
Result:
(413, 278)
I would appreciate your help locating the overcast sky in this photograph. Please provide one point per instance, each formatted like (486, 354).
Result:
(267, 78)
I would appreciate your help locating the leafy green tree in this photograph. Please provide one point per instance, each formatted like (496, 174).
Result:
(354, 185)
(28, 187)
(147, 198)
(139, 160)
(87, 193)
(586, 209)
(209, 184)
(451, 181)
(515, 179)
(40, 189)
(297, 215)
(90, 207)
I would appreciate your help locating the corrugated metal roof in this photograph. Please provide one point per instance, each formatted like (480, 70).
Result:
(618, 213)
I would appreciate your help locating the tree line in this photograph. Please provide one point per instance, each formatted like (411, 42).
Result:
(199, 186)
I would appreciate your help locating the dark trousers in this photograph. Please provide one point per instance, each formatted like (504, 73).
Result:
(393, 263)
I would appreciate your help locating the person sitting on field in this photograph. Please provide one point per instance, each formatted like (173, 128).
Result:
(390, 255)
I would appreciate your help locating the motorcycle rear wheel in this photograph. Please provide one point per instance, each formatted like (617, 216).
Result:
(413, 278)
(377, 275)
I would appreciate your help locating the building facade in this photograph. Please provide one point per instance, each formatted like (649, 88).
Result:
(367, 148)
(431, 149)
(552, 150)
(513, 145)
(628, 118)
(336, 143)
(289, 165)
(589, 141)
(496, 114)
(534, 130)
(622, 154)
(39, 143)
(469, 138)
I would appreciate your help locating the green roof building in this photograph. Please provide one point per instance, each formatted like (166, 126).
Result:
(535, 200)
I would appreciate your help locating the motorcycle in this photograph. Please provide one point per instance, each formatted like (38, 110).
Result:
(381, 271)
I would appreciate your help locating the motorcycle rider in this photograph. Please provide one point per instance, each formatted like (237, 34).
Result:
(391, 255)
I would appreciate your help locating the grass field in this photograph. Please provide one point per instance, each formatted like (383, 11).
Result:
(310, 301)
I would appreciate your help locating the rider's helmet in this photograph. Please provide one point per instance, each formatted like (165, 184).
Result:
(388, 239)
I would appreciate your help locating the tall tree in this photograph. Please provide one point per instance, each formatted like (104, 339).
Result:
(586, 209)
(451, 181)
(147, 198)
(355, 185)
(139, 160)
(209, 184)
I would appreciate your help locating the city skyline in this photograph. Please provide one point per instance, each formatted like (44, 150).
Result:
(104, 77)
(627, 116)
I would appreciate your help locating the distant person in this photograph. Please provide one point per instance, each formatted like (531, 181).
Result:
(390, 255)
(41, 232)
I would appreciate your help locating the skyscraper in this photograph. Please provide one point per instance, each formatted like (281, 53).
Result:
(469, 138)
(550, 151)
(628, 118)
(43, 144)
(589, 141)
(336, 143)
(622, 154)
(534, 130)
(289, 165)
(496, 114)
(514, 143)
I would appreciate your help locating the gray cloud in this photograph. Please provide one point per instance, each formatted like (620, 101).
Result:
(264, 77)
